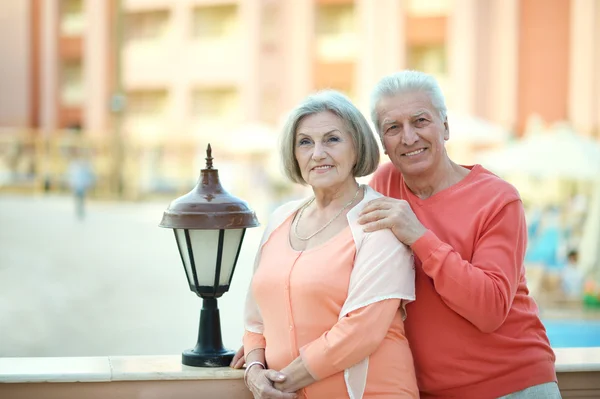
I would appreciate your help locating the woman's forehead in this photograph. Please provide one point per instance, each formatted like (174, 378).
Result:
(320, 123)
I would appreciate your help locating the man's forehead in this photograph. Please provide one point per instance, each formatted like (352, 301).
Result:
(399, 113)
(408, 102)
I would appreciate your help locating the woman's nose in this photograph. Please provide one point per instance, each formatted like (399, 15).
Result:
(318, 152)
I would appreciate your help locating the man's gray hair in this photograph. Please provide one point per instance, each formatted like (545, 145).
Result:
(365, 144)
(405, 82)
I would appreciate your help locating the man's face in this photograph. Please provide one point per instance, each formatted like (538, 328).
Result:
(413, 133)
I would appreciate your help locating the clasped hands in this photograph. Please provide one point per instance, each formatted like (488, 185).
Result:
(268, 384)
(271, 384)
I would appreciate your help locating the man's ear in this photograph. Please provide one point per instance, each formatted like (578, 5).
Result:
(446, 130)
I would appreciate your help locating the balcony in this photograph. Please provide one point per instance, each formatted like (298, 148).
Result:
(119, 377)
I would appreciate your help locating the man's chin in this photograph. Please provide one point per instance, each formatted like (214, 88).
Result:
(412, 169)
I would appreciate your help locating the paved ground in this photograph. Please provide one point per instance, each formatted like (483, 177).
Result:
(112, 284)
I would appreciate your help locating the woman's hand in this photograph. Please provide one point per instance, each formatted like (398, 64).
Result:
(238, 360)
(260, 382)
(296, 377)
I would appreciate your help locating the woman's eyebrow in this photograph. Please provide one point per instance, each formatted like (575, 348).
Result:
(308, 135)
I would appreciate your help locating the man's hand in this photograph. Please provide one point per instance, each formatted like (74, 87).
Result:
(393, 214)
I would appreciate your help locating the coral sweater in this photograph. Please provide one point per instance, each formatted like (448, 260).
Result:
(474, 330)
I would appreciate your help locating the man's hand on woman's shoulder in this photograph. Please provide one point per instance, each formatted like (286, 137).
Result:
(393, 214)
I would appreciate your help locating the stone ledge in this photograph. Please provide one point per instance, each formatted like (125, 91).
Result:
(123, 377)
(577, 359)
(106, 369)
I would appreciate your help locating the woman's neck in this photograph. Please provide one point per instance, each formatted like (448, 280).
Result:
(335, 197)
(428, 184)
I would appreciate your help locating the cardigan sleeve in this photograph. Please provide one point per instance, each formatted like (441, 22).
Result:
(253, 341)
(382, 279)
(352, 339)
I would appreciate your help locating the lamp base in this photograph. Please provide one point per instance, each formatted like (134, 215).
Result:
(220, 359)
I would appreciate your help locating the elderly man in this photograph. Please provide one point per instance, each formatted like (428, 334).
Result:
(474, 331)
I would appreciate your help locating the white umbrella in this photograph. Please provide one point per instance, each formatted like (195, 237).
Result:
(467, 129)
(468, 134)
(559, 153)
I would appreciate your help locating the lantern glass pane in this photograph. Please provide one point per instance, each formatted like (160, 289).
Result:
(184, 254)
(231, 244)
(205, 245)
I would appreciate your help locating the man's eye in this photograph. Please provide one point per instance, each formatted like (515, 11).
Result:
(392, 127)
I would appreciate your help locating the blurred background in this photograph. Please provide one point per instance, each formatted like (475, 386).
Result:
(107, 106)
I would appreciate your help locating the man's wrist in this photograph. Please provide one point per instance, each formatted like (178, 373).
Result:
(417, 237)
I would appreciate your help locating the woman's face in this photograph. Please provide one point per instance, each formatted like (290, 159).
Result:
(324, 150)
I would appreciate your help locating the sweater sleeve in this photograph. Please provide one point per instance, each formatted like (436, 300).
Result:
(350, 340)
(482, 290)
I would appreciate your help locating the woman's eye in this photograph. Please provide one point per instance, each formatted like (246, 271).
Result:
(304, 142)
(333, 139)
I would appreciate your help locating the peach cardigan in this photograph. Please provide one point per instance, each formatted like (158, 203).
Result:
(375, 277)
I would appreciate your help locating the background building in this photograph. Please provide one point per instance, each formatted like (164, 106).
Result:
(198, 67)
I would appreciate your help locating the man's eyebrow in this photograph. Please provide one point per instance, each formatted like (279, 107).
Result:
(420, 112)
(388, 121)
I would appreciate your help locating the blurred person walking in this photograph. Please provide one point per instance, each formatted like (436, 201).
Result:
(81, 179)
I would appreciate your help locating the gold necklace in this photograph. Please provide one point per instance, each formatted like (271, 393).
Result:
(295, 229)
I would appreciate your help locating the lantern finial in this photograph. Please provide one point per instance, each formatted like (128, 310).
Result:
(209, 157)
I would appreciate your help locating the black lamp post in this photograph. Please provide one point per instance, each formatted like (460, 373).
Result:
(209, 226)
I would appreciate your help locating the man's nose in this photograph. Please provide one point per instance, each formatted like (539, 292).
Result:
(410, 136)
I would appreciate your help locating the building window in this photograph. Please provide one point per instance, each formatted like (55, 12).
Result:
(146, 26)
(212, 104)
(431, 59)
(270, 24)
(215, 22)
(72, 20)
(429, 8)
(146, 103)
(428, 58)
(336, 32)
(72, 92)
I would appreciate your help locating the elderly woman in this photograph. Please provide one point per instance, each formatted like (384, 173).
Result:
(325, 310)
